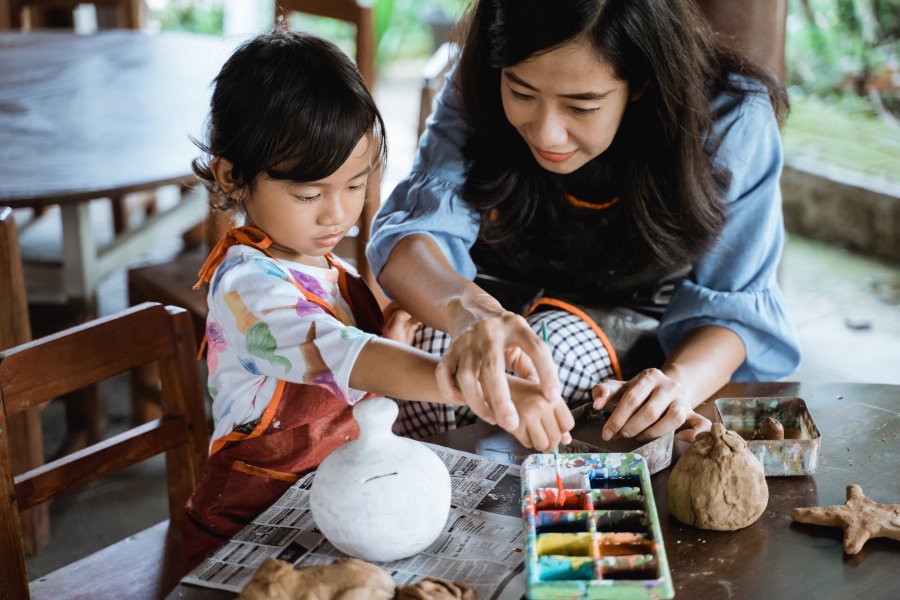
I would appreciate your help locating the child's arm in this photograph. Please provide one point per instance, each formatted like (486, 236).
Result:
(542, 425)
(391, 369)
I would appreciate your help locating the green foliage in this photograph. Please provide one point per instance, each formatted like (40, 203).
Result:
(400, 28)
(842, 132)
(835, 46)
(197, 16)
(842, 59)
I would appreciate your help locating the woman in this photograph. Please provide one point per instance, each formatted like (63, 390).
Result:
(612, 160)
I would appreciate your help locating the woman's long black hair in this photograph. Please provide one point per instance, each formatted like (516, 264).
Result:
(663, 48)
(288, 104)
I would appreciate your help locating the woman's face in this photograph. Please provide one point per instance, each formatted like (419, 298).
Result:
(566, 104)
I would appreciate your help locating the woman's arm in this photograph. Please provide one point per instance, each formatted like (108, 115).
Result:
(727, 321)
(486, 337)
(430, 289)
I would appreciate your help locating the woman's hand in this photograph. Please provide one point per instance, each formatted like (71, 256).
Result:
(646, 407)
(473, 370)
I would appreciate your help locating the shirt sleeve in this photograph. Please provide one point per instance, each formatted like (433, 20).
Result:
(276, 332)
(427, 201)
(734, 285)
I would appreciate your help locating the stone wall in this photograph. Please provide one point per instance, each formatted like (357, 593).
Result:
(842, 208)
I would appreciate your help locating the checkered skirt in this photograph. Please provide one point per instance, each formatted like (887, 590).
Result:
(581, 359)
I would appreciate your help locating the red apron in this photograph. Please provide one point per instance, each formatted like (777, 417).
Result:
(301, 425)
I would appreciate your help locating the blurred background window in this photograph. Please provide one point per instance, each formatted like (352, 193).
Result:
(844, 84)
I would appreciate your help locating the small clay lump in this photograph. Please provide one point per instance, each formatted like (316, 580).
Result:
(769, 429)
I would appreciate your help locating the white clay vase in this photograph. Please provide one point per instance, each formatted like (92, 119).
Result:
(380, 497)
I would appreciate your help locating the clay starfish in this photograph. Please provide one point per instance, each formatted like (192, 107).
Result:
(860, 517)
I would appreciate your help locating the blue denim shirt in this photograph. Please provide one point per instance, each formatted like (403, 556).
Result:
(733, 285)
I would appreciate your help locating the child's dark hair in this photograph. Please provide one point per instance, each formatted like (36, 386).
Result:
(288, 104)
(667, 52)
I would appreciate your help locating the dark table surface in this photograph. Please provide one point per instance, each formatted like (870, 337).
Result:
(84, 117)
(773, 558)
(87, 117)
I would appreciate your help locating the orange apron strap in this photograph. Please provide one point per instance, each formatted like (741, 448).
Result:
(243, 467)
(570, 308)
(249, 236)
(342, 281)
(260, 428)
(202, 347)
(590, 205)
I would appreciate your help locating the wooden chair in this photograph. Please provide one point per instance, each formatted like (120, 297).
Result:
(41, 14)
(148, 564)
(6, 18)
(26, 438)
(755, 27)
(433, 75)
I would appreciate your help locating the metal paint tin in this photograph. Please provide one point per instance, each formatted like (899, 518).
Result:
(797, 454)
(603, 539)
(586, 439)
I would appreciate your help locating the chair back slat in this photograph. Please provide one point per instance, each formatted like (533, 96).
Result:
(342, 10)
(58, 364)
(97, 461)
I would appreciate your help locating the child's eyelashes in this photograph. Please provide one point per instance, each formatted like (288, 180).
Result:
(308, 198)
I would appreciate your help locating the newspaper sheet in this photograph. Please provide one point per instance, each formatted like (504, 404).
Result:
(481, 545)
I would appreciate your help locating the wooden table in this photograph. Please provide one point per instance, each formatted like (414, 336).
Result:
(773, 558)
(86, 117)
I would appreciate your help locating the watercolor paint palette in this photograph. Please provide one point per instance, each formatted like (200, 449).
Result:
(598, 535)
(796, 454)
(587, 439)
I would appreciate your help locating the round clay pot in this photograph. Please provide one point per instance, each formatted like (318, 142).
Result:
(717, 484)
(380, 497)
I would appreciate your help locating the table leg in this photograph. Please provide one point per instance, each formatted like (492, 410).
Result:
(79, 277)
(79, 253)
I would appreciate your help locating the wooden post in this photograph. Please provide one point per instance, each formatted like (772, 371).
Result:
(26, 441)
(755, 27)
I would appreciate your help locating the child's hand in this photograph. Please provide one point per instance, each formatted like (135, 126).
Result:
(399, 325)
(543, 425)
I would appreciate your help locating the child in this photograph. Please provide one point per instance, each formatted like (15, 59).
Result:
(292, 333)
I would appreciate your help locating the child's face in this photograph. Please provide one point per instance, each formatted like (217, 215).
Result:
(307, 220)
(566, 104)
